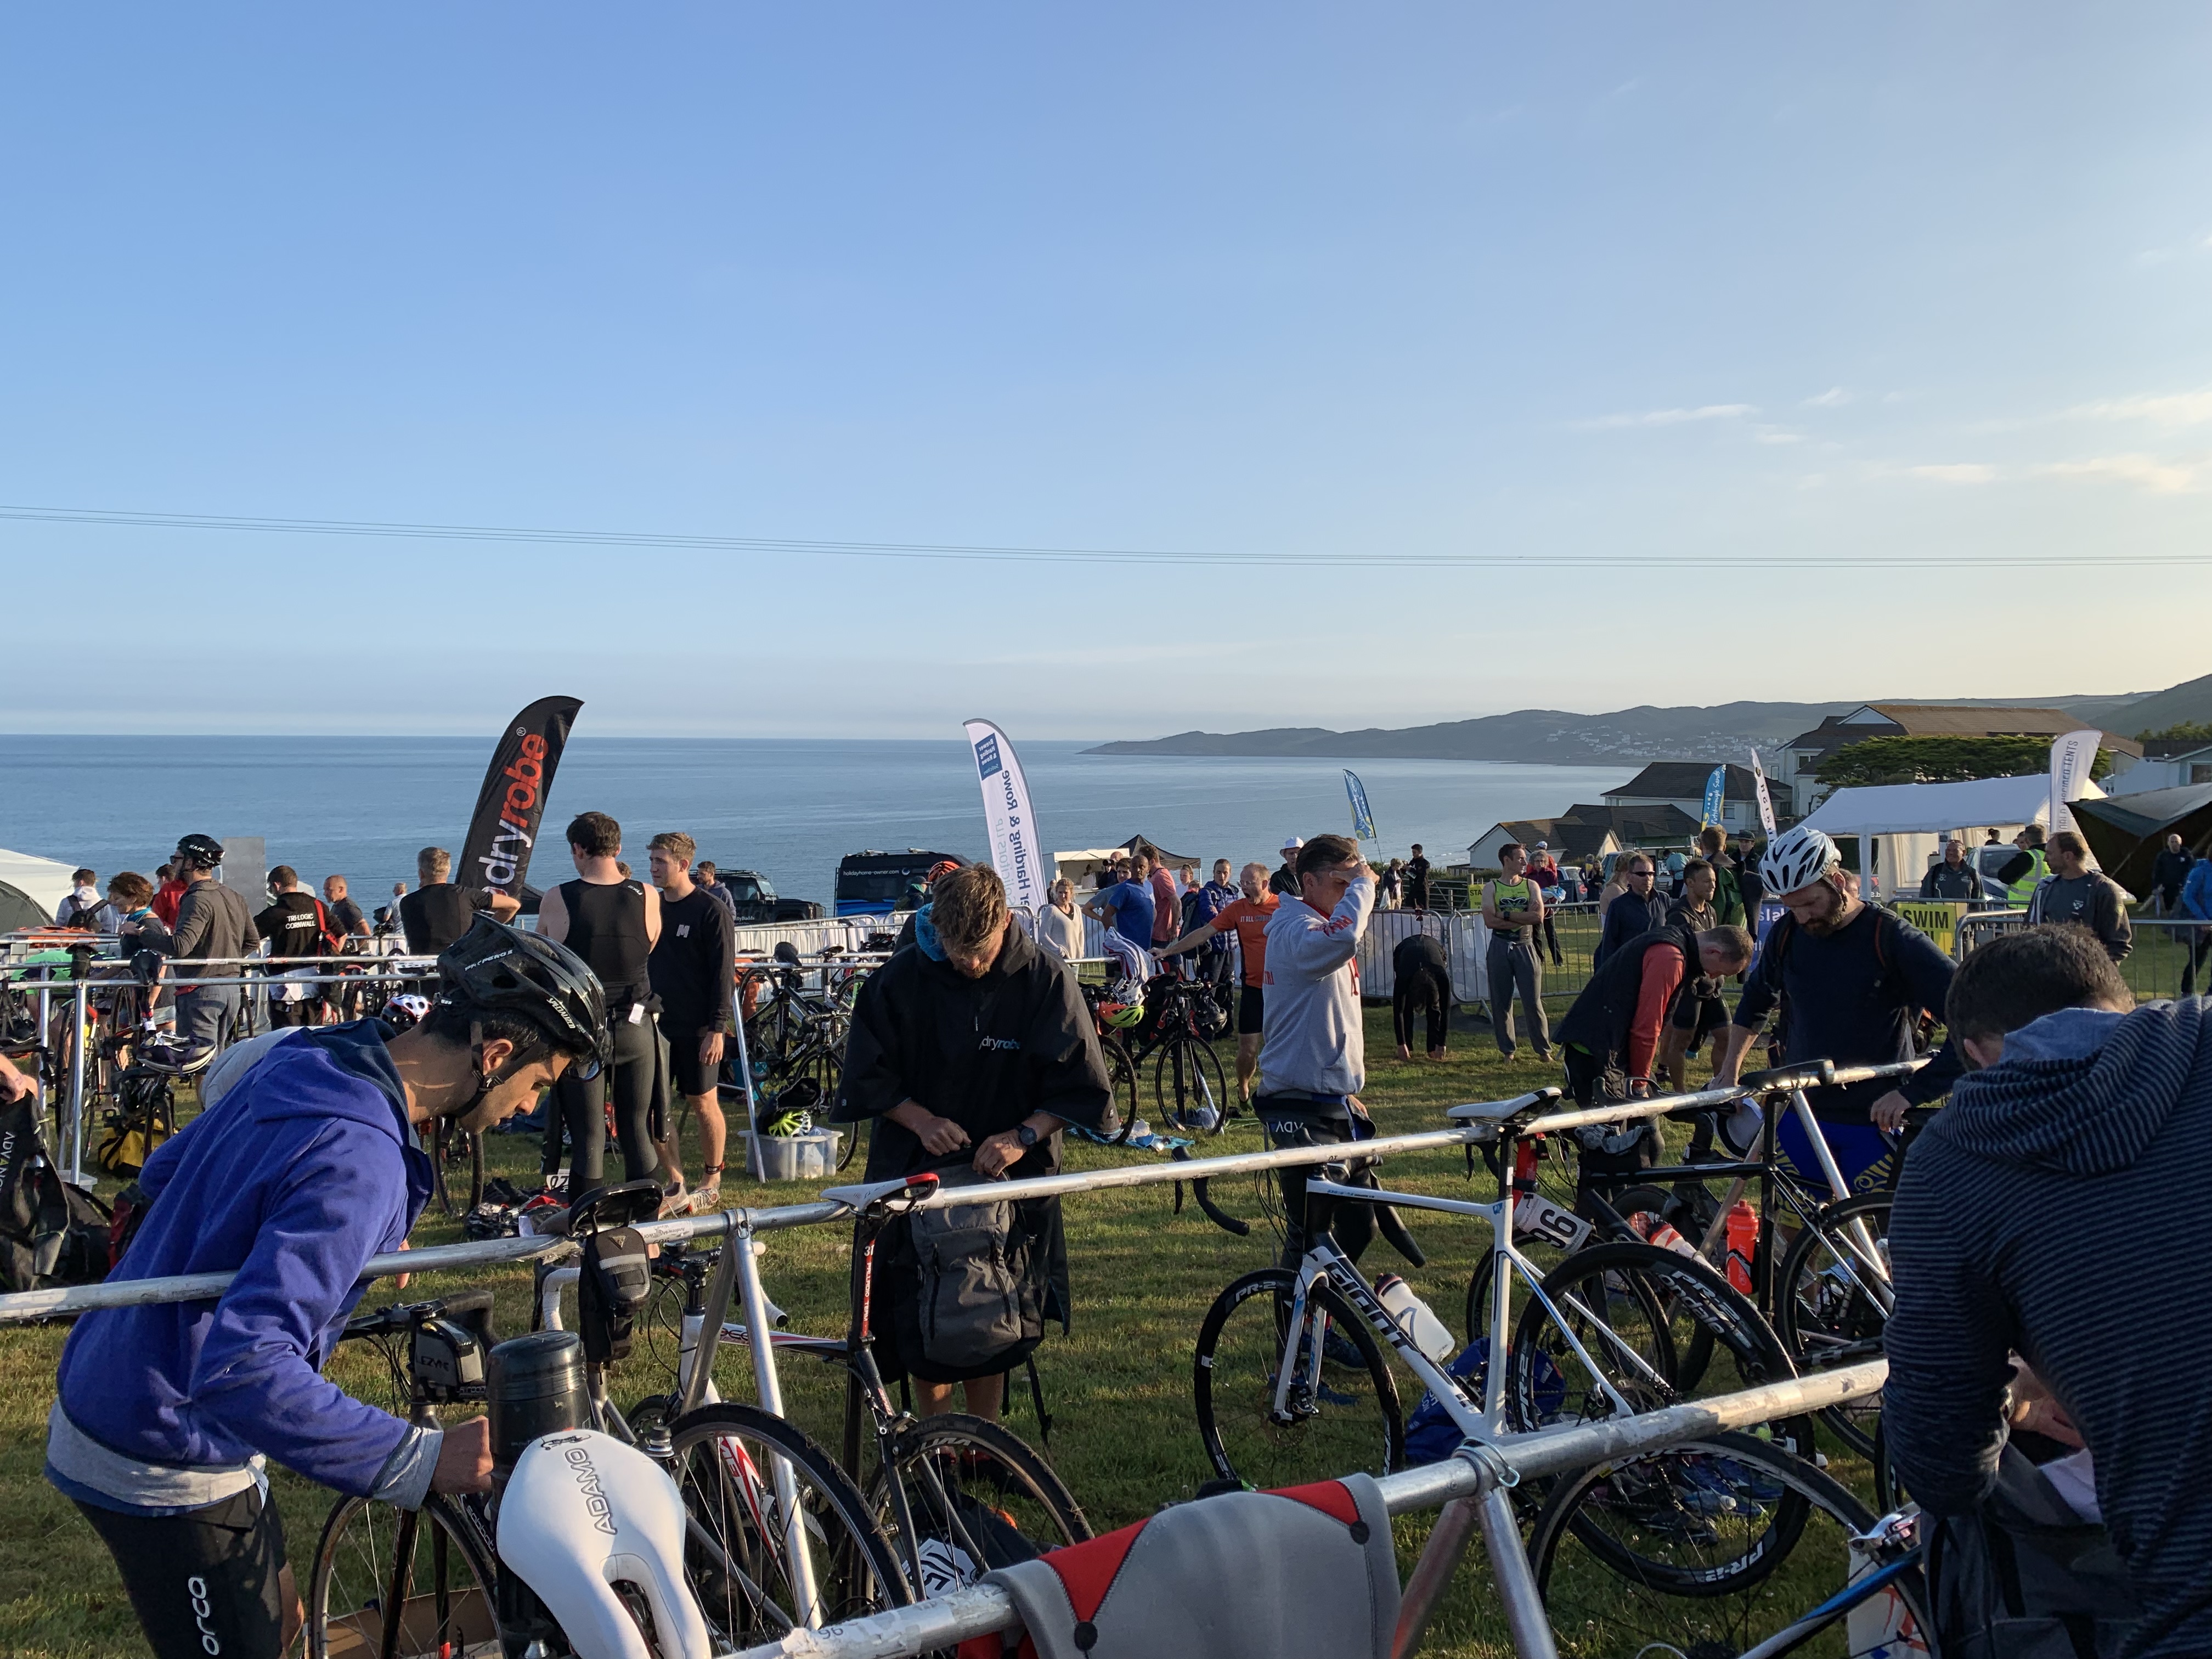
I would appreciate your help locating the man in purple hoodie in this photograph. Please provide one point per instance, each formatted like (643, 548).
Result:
(301, 1165)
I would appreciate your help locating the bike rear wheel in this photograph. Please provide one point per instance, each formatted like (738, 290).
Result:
(444, 1596)
(1829, 1306)
(978, 1497)
(1632, 1558)
(740, 1560)
(1344, 1419)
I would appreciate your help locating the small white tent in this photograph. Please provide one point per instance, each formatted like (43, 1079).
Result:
(1907, 821)
(40, 882)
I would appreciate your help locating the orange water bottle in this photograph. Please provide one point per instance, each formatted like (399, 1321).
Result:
(1742, 1243)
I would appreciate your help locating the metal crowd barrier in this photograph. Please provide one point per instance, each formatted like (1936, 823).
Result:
(500, 1252)
(1471, 1486)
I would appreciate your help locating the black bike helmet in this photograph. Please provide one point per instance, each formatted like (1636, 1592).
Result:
(494, 966)
(204, 852)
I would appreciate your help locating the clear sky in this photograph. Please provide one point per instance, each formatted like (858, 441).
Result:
(1640, 282)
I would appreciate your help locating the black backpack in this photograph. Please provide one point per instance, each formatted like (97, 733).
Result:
(51, 1233)
(2025, 1578)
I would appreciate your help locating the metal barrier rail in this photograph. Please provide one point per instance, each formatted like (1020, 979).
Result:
(437, 1258)
(1474, 1476)
(2169, 958)
(83, 1298)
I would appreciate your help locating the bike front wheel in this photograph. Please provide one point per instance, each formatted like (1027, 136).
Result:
(777, 1535)
(1637, 1556)
(430, 1572)
(1190, 1089)
(971, 1496)
(1337, 1411)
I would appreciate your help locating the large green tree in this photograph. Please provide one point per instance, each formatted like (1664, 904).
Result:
(2187, 732)
(1939, 760)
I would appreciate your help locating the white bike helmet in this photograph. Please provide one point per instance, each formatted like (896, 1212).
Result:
(1796, 859)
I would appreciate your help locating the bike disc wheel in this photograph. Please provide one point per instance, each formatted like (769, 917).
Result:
(1829, 1308)
(978, 1497)
(1347, 1420)
(741, 1556)
(1188, 1088)
(445, 1600)
(1632, 1557)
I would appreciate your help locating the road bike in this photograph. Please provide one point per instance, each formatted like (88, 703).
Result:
(953, 1495)
(1290, 1379)
(1819, 1270)
(1626, 1568)
(774, 1535)
(956, 1494)
(794, 1038)
(1188, 1089)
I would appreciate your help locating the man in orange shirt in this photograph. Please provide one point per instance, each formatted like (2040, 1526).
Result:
(1250, 916)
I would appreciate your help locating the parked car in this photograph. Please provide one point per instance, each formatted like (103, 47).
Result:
(756, 901)
(874, 883)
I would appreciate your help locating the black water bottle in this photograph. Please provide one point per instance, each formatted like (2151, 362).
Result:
(536, 1384)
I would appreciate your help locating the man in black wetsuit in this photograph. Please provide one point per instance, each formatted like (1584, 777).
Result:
(437, 912)
(612, 921)
(694, 970)
(1421, 976)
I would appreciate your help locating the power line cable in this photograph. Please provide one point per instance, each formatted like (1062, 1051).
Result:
(513, 534)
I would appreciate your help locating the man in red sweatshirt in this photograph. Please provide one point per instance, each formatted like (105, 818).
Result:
(1611, 1036)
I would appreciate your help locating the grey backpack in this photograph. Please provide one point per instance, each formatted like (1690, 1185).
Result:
(978, 1307)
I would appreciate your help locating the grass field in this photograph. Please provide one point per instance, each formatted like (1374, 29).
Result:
(1119, 1386)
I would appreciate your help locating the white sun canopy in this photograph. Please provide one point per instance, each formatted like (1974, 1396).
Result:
(1907, 822)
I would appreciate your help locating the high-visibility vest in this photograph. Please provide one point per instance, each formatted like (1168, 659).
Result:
(2021, 891)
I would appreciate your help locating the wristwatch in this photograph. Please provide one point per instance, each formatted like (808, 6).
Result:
(1027, 1134)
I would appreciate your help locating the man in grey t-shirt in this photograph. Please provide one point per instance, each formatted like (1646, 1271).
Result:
(2074, 892)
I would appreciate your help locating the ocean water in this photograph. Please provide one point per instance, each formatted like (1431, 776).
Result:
(788, 808)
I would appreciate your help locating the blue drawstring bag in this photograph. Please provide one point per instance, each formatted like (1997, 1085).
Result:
(1431, 1436)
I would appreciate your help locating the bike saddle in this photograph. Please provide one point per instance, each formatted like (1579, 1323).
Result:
(172, 1057)
(787, 953)
(582, 1513)
(1500, 1111)
(874, 1192)
(609, 1207)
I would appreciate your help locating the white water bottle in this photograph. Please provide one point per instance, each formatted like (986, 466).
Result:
(1429, 1334)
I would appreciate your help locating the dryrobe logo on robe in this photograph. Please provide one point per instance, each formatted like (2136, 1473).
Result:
(1006, 811)
(512, 799)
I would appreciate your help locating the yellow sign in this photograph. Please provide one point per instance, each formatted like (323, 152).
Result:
(1937, 918)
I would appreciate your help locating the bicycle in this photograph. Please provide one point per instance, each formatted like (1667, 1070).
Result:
(1832, 1295)
(774, 1536)
(1626, 1569)
(453, 1151)
(1598, 1338)
(792, 1038)
(1189, 1089)
(954, 1495)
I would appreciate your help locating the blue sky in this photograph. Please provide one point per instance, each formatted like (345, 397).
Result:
(1281, 281)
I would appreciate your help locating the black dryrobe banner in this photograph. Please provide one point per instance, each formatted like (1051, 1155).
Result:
(497, 852)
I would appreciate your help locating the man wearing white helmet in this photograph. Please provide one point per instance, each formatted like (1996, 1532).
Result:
(1851, 980)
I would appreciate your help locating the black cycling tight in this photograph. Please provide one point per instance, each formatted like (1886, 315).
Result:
(582, 1107)
(210, 1581)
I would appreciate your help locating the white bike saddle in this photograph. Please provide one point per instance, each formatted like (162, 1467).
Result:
(582, 1512)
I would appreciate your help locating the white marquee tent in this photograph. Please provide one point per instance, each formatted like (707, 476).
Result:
(1905, 822)
(43, 882)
